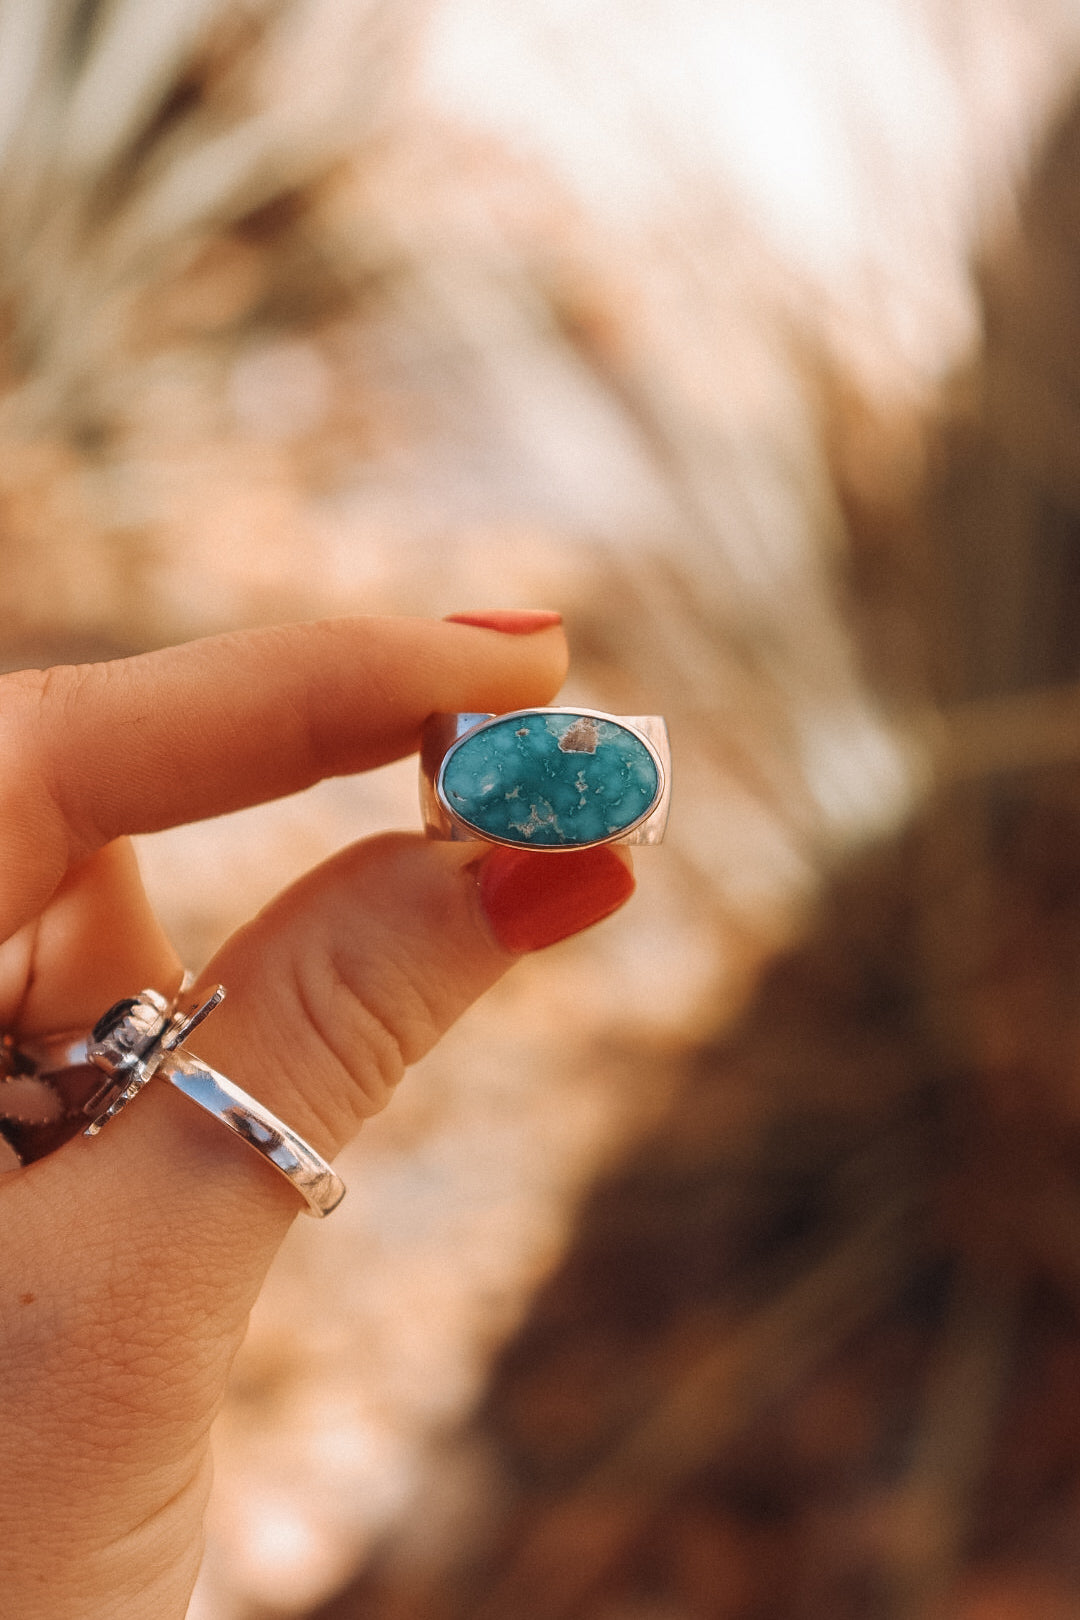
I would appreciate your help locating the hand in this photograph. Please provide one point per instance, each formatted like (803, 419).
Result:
(129, 1263)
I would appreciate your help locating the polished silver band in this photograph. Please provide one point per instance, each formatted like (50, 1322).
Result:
(81, 1082)
(308, 1173)
(518, 799)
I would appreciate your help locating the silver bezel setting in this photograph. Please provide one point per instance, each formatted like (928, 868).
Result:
(445, 734)
(132, 1051)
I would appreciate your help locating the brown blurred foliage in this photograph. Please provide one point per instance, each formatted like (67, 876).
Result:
(815, 1355)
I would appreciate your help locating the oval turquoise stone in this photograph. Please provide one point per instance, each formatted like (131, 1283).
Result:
(550, 780)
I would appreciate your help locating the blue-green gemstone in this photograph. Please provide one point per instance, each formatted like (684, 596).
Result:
(551, 780)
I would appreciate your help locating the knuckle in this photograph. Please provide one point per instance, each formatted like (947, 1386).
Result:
(37, 707)
(31, 796)
(21, 698)
(45, 694)
(365, 1050)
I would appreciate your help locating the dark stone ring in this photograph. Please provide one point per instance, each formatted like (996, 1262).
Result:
(55, 1086)
(546, 779)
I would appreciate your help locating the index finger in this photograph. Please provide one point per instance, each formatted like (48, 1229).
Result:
(142, 743)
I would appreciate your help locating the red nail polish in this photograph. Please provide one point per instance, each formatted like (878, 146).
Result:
(511, 621)
(534, 900)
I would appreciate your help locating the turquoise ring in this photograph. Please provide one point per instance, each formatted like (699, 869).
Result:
(546, 779)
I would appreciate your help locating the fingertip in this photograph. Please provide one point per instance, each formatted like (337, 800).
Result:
(521, 656)
(532, 899)
(509, 621)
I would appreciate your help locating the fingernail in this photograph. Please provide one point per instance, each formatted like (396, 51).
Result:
(511, 621)
(534, 900)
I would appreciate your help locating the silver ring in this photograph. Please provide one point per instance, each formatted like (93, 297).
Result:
(138, 1040)
(546, 779)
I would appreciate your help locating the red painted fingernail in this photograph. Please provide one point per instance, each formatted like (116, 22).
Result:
(511, 621)
(534, 900)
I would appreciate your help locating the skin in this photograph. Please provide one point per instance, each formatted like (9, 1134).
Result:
(130, 1263)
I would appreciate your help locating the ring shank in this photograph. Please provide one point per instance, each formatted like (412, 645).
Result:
(308, 1173)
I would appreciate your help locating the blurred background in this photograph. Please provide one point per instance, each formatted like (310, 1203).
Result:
(725, 1265)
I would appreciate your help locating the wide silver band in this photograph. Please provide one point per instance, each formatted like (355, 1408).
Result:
(61, 1084)
(443, 733)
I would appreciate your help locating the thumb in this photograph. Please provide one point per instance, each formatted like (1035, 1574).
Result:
(155, 1237)
(355, 972)
(348, 976)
